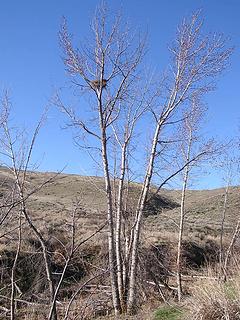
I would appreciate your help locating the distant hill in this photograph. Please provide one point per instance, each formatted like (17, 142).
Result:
(52, 205)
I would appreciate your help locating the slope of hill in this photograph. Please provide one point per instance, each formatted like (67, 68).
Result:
(51, 206)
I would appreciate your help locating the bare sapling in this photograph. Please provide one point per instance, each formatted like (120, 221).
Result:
(194, 152)
(19, 157)
(230, 166)
(222, 271)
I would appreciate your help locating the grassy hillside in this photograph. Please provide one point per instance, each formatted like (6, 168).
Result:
(51, 206)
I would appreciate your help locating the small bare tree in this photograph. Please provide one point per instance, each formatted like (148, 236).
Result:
(229, 166)
(193, 152)
(18, 155)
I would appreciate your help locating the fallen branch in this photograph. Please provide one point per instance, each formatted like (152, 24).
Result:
(161, 285)
(25, 301)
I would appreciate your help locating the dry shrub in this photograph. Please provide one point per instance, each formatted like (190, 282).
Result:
(215, 300)
(91, 306)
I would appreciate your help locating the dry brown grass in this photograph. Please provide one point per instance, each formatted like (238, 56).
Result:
(212, 299)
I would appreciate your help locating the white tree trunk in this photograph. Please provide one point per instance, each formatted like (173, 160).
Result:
(138, 219)
(119, 257)
(111, 240)
(180, 234)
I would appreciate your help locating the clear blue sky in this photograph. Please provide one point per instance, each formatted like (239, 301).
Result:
(31, 66)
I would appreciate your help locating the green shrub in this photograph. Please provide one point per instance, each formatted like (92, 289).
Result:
(230, 290)
(167, 313)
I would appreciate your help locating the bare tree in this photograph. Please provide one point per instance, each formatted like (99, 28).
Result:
(19, 164)
(193, 152)
(197, 60)
(107, 71)
(229, 163)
